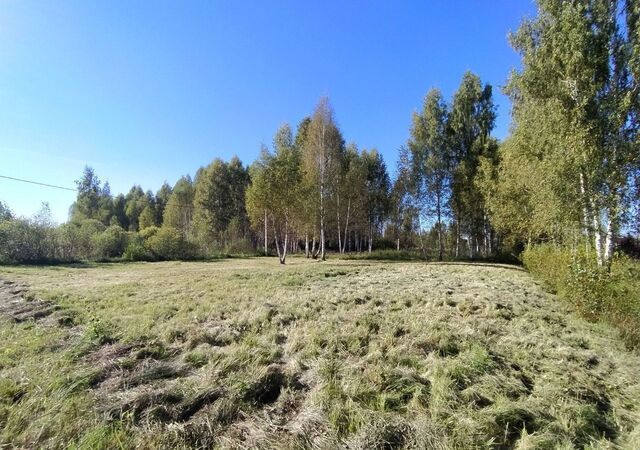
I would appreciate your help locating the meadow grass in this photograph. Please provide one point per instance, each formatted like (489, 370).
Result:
(246, 353)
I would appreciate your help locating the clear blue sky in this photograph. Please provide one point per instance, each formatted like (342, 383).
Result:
(145, 91)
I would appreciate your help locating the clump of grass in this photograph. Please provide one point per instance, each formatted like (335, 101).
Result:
(196, 359)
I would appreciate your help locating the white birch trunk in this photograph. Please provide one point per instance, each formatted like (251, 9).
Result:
(266, 238)
(306, 244)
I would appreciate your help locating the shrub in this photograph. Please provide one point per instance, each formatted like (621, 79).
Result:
(67, 243)
(25, 242)
(148, 233)
(87, 229)
(610, 293)
(169, 243)
(137, 251)
(549, 263)
(111, 243)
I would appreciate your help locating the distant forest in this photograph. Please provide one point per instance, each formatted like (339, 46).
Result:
(568, 173)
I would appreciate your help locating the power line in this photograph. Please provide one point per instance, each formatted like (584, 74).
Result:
(38, 183)
(178, 202)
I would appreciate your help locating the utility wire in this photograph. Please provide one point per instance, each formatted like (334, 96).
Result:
(38, 183)
(172, 202)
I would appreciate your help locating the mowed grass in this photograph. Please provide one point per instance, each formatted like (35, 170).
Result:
(342, 354)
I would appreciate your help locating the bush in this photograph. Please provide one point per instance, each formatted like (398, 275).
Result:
(169, 243)
(25, 242)
(137, 251)
(550, 264)
(611, 293)
(111, 243)
(87, 230)
(148, 233)
(67, 243)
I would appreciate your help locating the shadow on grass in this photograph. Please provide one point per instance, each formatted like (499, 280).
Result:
(501, 265)
(114, 262)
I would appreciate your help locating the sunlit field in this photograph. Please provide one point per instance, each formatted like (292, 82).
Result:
(246, 353)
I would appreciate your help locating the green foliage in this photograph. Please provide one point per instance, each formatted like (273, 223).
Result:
(88, 201)
(219, 198)
(110, 243)
(136, 250)
(178, 212)
(162, 199)
(135, 202)
(321, 160)
(99, 331)
(568, 166)
(5, 212)
(276, 189)
(169, 244)
(85, 238)
(611, 294)
(24, 242)
(147, 217)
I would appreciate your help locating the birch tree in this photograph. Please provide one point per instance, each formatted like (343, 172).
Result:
(470, 122)
(376, 195)
(579, 86)
(431, 162)
(275, 190)
(178, 212)
(321, 157)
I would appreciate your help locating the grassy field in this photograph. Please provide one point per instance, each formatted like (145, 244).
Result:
(343, 354)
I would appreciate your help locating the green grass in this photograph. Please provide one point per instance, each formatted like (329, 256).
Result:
(245, 353)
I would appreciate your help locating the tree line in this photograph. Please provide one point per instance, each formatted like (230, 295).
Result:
(568, 173)
(312, 192)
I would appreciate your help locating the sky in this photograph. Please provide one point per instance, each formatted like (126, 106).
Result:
(147, 91)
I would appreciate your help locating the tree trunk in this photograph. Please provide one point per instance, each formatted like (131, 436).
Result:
(286, 239)
(314, 254)
(323, 256)
(597, 233)
(613, 226)
(282, 252)
(439, 212)
(339, 230)
(322, 240)
(275, 238)
(306, 244)
(266, 248)
(424, 250)
(457, 238)
(346, 226)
